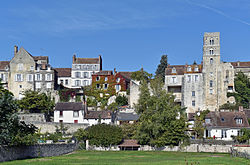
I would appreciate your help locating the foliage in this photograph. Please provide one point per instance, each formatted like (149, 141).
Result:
(129, 130)
(198, 125)
(113, 106)
(12, 132)
(242, 90)
(244, 136)
(36, 102)
(104, 135)
(81, 134)
(91, 102)
(162, 66)
(229, 106)
(61, 129)
(141, 75)
(66, 94)
(160, 122)
(121, 100)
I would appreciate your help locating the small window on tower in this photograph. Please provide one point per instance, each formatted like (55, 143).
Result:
(211, 60)
(211, 51)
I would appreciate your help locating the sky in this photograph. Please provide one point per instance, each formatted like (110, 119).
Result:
(129, 34)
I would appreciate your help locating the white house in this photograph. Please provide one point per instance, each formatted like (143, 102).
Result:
(69, 112)
(63, 76)
(95, 117)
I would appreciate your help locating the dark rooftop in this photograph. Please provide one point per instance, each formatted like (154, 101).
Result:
(69, 106)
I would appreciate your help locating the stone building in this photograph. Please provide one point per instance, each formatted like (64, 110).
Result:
(27, 72)
(204, 86)
(63, 76)
(4, 73)
(82, 70)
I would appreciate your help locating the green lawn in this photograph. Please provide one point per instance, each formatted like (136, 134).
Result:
(134, 157)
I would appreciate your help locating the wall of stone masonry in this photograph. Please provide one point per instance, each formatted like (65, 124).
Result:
(34, 151)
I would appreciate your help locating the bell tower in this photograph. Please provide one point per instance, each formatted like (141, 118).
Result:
(211, 64)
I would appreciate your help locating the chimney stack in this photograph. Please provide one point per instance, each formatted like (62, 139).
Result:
(15, 50)
(100, 62)
(114, 70)
(74, 58)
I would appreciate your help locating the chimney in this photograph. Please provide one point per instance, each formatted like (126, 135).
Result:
(100, 62)
(115, 71)
(238, 63)
(15, 50)
(43, 66)
(240, 108)
(74, 58)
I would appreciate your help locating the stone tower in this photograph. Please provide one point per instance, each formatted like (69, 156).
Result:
(211, 65)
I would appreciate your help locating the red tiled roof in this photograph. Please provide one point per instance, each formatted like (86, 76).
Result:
(129, 143)
(96, 114)
(3, 64)
(127, 75)
(241, 64)
(103, 73)
(63, 72)
(86, 61)
(181, 69)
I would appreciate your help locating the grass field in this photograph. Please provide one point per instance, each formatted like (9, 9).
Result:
(133, 157)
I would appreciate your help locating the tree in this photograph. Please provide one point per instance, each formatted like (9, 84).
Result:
(81, 134)
(104, 135)
(242, 90)
(13, 132)
(244, 136)
(35, 102)
(161, 121)
(161, 67)
(129, 130)
(121, 100)
(141, 75)
(198, 125)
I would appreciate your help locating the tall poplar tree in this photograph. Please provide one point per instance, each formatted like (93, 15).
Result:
(161, 67)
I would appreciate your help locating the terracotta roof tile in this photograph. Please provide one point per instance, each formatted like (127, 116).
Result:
(127, 75)
(96, 114)
(104, 73)
(86, 61)
(241, 64)
(3, 64)
(182, 69)
(63, 72)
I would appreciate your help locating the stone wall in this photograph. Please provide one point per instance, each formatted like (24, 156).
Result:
(41, 150)
(241, 151)
(50, 127)
(32, 117)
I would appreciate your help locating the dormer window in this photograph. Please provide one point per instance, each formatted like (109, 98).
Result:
(97, 78)
(239, 121)
(173, 70)
(189, 69)
(196, 69)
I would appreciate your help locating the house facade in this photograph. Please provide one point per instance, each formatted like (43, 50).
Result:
(63, 77)
(27, 72)
(4, 73)
(204, 86)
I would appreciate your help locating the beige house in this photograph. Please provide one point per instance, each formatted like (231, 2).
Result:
(27, 72)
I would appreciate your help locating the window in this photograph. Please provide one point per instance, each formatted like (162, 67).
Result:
(97, 78)
(20, 66)
(211, 83)
(66, 82)
(85, 82)
(20, 86)
(61, 81)
(105, 86)
(29, 77)
(48, 85)
(230, 88)
(77, 74)
(61, 121)
(173, 70)
(211, 61)
(106, 79)
(189, 69)
(61, 114)
(31, 67)
(97, 86)
(211, 91)
(77, 83)
(207, 121)
(38, 77)
(48, 77)
(19, 77)
(211, 52)
(211, 41)
(211, 73)
(76, 114)
(117, 87)
(189, 78)
(239, 121)
(227, 74)
(196, 78)
(196, 69)
(193, 103)
(223, 133)
(193, 93)
(118, 79)
(38, 85)
(174, 80)
(85, 74)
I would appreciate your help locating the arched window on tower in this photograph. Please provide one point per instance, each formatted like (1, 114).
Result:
(211, 83)
(211, 41)
(211, 52)
(211, 60)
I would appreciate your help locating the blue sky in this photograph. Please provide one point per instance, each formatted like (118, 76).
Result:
(129, 34)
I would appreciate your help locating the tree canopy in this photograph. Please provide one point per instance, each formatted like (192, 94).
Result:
(162, 66)
(242, 90)
(161, 121)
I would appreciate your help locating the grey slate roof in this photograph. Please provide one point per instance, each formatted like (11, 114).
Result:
(121, 116)
(69, 106)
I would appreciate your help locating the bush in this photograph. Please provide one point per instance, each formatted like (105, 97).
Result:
(104, 135)
(121, 100)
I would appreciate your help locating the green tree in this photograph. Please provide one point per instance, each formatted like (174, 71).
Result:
(141, 75)
(161, 67)
(13, 132)
(129, 130)
(104, 135)
(161, 121)
(199, 128)
(244, 136)
(35, 102)
(242, 90)
(121, 100)
(81, 134)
